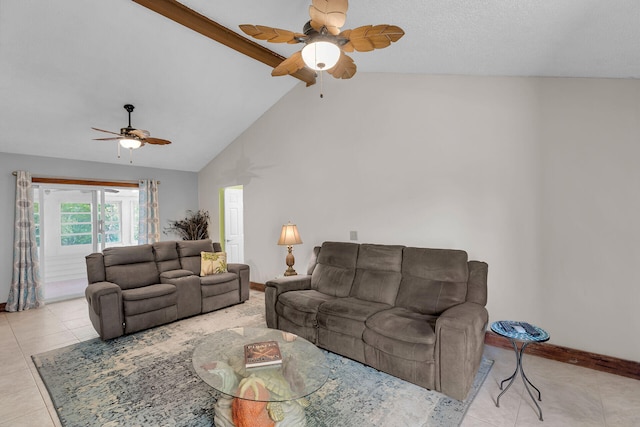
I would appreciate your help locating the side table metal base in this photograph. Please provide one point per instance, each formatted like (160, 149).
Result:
(525, 379)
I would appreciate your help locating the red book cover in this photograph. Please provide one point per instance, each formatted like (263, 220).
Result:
(262, 354)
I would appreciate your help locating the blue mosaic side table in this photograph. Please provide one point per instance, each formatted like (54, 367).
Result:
(515, 333)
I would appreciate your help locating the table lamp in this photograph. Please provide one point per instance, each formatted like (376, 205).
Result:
(289, 236)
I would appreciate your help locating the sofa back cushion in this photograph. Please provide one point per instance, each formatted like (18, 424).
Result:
(189, 253)
(313, 261)
(477, 285)
(433, 280)
(335, 269)
(131, 266)
(95, 268)
(378, 273)
(166, 255)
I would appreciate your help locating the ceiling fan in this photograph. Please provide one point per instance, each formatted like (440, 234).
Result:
(325, 43)
(131, 137)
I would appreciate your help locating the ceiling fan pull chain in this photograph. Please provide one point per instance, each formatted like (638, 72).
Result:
(118, 144)
(321, 90)
(130, 155)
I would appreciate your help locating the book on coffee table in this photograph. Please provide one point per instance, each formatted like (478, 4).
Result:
(262, 353)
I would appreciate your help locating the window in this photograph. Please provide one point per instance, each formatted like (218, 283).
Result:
(135, 221)
(75, 224)
(112, 222)
(76, 227)
(36, 220)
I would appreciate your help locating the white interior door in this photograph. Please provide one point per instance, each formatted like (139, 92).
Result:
(233, 224)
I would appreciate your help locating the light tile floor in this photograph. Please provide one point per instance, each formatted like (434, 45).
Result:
(571, 396)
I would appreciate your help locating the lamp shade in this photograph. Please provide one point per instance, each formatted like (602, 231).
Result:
(320, 55)
(130, 143)
(289, 235)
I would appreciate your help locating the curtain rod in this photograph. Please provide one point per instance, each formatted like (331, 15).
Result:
(81, 181)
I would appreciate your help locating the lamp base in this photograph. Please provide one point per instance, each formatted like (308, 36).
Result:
(290, 260)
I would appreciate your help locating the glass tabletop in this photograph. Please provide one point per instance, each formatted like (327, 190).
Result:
(499, 328)
(219, 361)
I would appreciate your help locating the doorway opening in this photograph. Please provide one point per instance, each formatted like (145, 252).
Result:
(232, 223)
(73, 221)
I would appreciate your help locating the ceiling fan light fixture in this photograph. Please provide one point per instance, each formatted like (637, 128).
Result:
(321, 55)
(131, 143)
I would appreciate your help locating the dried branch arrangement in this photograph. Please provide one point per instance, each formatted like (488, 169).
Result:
(194, 227)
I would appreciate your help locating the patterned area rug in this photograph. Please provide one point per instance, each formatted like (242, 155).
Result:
(147, 379)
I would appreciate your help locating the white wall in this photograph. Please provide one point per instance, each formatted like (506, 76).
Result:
(177, 193)
(590, 222)
(537, 177)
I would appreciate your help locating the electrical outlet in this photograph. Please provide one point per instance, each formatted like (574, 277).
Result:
(353, 235)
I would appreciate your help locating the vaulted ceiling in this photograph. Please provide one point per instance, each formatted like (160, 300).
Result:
(66, 66)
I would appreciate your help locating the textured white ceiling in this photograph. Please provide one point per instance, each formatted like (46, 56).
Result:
(69, 65)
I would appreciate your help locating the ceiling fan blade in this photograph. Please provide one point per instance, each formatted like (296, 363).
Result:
(289, 65)
(106, 131)
(106, 139)
(140, 133)
(272, 35)
(370, 37)
(156, 141)
(328, 13)
(345, 68)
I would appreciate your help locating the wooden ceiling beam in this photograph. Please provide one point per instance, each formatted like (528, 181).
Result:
(181, 14)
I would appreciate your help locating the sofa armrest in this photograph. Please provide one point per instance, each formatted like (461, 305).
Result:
(299, 282)
(169, 275)
(105, 309)
(273, 288)
(189, 296)
(242, 270)
(460, 334)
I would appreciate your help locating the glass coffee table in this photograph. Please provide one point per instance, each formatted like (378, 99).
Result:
(264, 394)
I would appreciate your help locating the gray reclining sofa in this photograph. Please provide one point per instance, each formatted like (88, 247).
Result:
(132, 288)
(418, 314)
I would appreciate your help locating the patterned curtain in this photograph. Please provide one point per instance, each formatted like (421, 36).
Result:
(149, 217)
(25, 291)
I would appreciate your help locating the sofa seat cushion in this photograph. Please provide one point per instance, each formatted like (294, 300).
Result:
(218, 284)
(216, 279)
(348, 315)
(301, 307)
(402, 333)
(148, 298)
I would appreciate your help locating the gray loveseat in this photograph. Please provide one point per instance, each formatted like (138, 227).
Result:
(132, 288)
(418, 314)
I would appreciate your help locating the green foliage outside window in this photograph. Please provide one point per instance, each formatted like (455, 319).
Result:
(36, 220)
(136, 222)
(75, 207)
(111, 222)
(76, 226)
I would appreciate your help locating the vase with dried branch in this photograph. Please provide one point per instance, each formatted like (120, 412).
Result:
(195, 226)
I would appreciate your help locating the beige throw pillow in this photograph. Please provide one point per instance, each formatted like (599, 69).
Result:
(213, 263)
